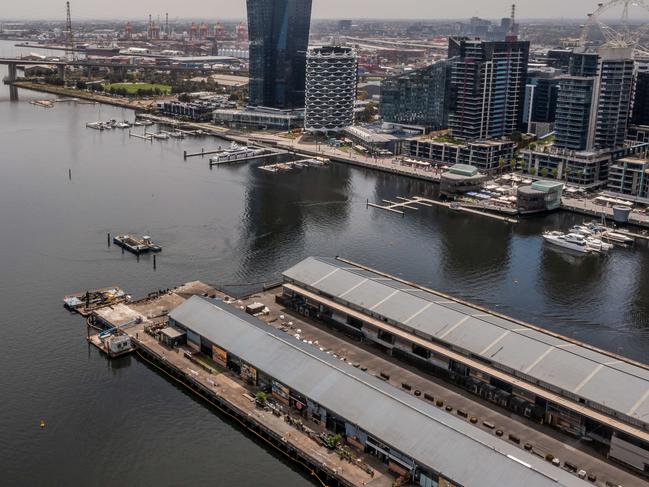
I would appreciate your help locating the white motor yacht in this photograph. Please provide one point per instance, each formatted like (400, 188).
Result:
(572, 241)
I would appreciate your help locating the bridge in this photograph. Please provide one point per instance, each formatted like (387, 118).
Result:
(13, 64)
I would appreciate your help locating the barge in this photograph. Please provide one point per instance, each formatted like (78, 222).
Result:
(135, 244)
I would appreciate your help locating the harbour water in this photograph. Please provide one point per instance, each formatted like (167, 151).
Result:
(64, 187)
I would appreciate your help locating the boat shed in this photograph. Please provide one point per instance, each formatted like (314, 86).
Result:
(577, 388)
(430, 445)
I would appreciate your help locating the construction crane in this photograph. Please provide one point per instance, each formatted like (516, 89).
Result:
(622, 34)
(69, 38)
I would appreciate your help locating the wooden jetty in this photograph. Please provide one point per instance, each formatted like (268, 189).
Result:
(409, 203)
(147, 137)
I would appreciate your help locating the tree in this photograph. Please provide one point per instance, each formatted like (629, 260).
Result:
(544, 172)
(501, 164)
(367, 115)
(554, 173)
(261, 397)
(81, 85)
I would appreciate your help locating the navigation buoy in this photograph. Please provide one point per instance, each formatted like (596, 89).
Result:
(42, 423)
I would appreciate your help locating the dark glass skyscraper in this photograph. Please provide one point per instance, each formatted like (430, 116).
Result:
(279, 38)
(420, 97)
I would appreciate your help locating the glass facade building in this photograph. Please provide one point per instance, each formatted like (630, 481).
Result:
(279, 37)
(488, 87)
(420, 97)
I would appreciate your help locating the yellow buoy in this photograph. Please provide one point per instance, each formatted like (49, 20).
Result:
(42, 423)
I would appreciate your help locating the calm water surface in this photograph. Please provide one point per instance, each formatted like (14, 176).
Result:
(120, 421)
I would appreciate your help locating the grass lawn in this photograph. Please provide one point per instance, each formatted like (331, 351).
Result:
(132, 88)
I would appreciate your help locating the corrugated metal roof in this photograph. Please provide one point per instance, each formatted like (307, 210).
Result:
(434, 438)
(621, 386)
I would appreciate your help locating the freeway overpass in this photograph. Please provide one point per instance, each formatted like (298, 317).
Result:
(14, 63)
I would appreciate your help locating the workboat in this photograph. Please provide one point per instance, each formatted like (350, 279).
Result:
(136, 244)
(575, 242)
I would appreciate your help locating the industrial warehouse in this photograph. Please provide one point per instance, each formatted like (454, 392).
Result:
(416, 439)
(576, 388)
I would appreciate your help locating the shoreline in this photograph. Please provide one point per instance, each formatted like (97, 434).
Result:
(137, 105)
(231, 135)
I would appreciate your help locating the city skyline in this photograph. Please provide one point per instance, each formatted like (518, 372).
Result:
(85, 10)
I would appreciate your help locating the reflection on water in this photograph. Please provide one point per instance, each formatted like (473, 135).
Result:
(235, 224)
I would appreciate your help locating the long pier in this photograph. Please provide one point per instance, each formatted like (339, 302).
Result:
(409, 203)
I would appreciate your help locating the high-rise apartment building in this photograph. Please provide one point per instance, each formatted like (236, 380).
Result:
(331, 75)
(487, 87)
(419, 97)
(279, 35)
(641, 100)
(594, 102)
(573, 113)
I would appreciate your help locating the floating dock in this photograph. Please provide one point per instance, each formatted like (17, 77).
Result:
(135, 244)
(292, 165)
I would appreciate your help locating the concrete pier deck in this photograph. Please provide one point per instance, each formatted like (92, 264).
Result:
(232, 397)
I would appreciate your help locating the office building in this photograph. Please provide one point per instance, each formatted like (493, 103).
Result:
(544, 96)
(331, 78)
(279, 35)
(488, 87)
(419, 97)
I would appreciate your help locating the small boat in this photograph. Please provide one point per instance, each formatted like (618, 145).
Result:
(123, 125)
(95, 125)
(618, 238)
(160, 136)
(176, 135)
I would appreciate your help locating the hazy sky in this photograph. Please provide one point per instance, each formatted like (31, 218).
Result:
(228, 9)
